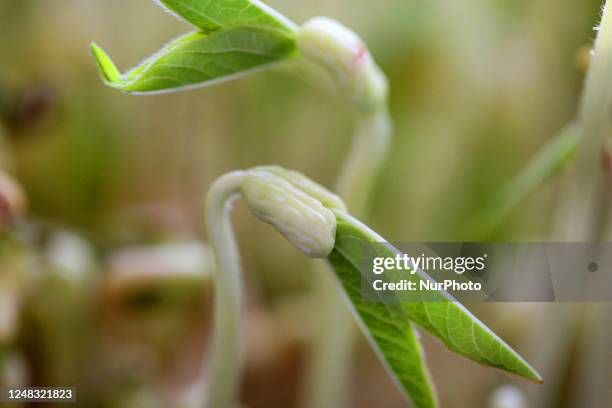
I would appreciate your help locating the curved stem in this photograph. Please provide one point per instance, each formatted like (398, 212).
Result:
(226, 350)
(328, 375)
(368, 152)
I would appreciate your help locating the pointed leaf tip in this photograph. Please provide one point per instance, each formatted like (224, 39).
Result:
(199, 59)
(109, 72)
(233, 38)
(438, 313)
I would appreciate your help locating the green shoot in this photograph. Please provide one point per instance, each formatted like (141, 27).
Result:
(275, 198)
(234, 38)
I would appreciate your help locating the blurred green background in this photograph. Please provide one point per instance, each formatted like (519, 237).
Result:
(477, 87)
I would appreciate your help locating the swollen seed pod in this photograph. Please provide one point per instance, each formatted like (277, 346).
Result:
(344, 55)
(302, 219)
(301, 182)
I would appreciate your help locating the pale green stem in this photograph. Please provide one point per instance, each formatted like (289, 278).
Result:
(226, 360)
(593, 369)
(547, 162)
(368, 153)
(588, 202)
(328, 374)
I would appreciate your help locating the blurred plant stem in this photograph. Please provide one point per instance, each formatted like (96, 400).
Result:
(588, 203)
(15, 279)
(554, 325)
(547, 162)
(367, 155)
(594, 380)
(60, 309)
(226, 350)
(583, 217)
(15, 276)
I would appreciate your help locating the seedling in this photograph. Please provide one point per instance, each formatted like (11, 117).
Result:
(235, 38)
(316, 222)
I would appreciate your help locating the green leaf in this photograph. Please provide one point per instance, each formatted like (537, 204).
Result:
(214, 15)
(199, 59)
(388, 323)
